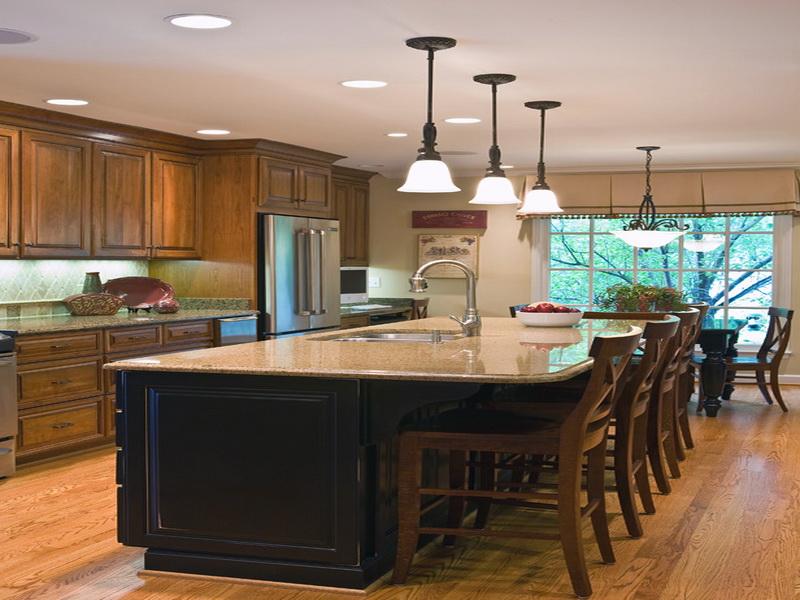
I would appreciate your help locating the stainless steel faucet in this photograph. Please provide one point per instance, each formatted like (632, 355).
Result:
(471, 321)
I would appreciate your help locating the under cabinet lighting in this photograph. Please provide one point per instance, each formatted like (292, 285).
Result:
(364, 84)
(67, 102)
(213, 131)
(199, 21)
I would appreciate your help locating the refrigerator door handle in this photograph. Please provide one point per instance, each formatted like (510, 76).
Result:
(302, 276)
(321, 273)
(315, 271)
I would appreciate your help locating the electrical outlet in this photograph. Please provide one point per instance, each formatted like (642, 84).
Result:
(374, 282)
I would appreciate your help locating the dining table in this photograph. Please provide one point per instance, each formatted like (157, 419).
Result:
(718, 338)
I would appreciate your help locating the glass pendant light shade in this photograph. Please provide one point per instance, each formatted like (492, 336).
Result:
(495, 190)
(705, 243)
(643, 238)
(428, 177)
(539, 201)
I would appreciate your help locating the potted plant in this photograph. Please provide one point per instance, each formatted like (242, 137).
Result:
(638, 297)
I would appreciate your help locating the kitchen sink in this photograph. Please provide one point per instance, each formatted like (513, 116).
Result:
(405, 336)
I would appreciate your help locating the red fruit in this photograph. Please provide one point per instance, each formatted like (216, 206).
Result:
(574, 310)
(562, 309)
(545, 307)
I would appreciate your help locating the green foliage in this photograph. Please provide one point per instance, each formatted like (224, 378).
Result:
(640, 298)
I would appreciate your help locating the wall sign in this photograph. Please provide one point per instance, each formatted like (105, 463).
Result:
(463, 248)
(450, 219)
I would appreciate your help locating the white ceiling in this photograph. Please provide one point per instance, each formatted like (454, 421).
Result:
(715, 82)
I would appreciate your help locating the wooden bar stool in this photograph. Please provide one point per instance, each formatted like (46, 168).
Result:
(581, 434)
(630, 424)
(683, 436)
(661, 410)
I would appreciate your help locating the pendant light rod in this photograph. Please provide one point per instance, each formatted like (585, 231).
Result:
(430, 45)
(542, 106)
(494, 79)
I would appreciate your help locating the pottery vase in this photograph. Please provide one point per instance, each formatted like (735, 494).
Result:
(92, 283)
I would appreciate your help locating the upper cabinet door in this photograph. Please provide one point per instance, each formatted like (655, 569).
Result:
(121, 202)
(315, 190)
(176, 206)
(359, 223)
(56, 195)
(278, 186)
(9, 192)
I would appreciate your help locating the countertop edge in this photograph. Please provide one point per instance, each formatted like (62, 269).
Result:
(394, 376)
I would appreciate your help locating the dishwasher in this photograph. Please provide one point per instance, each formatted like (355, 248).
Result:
(8, 404)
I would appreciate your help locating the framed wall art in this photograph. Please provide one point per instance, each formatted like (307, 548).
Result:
(463, 248)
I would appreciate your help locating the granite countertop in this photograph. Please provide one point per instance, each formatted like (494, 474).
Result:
(53, 324)
(506, 352)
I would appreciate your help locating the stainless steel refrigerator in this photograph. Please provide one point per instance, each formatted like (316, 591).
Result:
(298, 285)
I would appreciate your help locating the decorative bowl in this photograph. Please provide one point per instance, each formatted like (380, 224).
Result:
(139, 292)
(531, 319)
(168, 306)
(93, 304)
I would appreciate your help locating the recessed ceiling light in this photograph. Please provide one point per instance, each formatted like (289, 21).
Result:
(462, 120)
(213, 131)
(67, 102)
(199, 21)
(12, 36)
(396, 134)
(363, 83)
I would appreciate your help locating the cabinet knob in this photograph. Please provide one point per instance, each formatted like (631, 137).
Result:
(63, 425)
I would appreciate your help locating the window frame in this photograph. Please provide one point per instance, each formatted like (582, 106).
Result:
(781, 263)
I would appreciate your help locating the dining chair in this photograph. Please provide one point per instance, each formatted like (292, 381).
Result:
(582, 434)
(767, 359)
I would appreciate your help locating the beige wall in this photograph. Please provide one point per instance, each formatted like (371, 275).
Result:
(504, 267)
(792, 363)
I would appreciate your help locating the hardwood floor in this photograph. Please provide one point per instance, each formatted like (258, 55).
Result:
(730, 529)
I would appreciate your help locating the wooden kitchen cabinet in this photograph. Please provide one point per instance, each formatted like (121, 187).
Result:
(56, 195)
(9, 192)
(176, 206)
(351, 207)
(296, 189)
(121, 202)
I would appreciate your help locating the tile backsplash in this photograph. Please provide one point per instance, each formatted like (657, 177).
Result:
(49, 280)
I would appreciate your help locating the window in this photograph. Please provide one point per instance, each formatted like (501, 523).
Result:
(736, 278)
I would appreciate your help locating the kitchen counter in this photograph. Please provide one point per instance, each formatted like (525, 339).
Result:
(506, 352)
(53, 324)
(274, 460)
(390, 306)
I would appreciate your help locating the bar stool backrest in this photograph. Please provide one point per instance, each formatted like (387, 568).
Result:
(587, 425)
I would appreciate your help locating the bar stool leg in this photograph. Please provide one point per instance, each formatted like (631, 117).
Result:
(486, 481)
(569, 524)
(641, 475)
(596, 491)
(455, 512)
(409, 477)
(623, 477)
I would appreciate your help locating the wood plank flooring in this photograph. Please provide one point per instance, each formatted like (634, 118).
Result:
(730, 529)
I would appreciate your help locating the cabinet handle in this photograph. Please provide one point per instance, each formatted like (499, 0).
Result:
(28, 244)
(61, 381)
(63, 425)
(58, 346)
(134, 338)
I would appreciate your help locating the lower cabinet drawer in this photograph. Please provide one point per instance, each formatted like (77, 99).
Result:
(44, 383)
(60, 425)
(185, 333)
(110, 377)
(126, 339)
(351, 321)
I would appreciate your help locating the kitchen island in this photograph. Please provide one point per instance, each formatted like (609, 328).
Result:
(274, 460)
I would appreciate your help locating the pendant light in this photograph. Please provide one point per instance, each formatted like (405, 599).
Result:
(703, 243)
(494, 188)
(540, 198)
(643, 231)
(429, 174)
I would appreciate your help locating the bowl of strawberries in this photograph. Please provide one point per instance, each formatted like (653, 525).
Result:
(548, 314)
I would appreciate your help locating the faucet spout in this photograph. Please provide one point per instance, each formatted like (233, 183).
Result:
(471, 321)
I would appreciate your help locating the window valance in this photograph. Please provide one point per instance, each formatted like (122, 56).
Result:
(691, 193)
